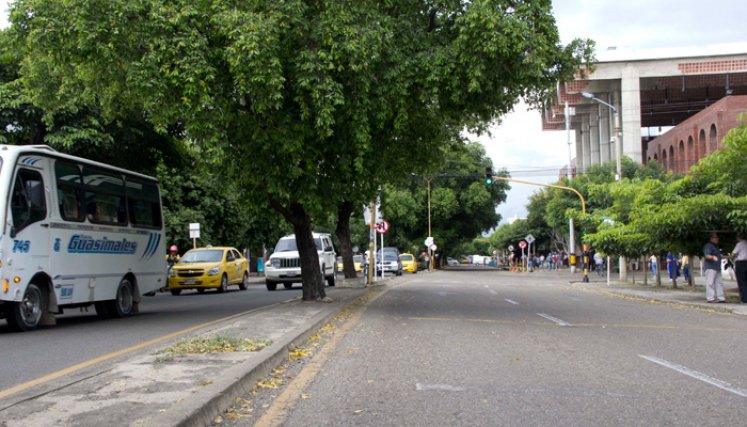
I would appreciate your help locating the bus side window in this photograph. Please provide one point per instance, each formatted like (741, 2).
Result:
(69, 207)
(28, 204)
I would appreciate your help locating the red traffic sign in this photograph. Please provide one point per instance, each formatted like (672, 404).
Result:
(522, 244)
(382, 227)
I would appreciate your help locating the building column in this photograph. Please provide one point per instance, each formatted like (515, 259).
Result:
(580, 166)
(594, 138)
(630, 108)
(586, 141)
(604, 135)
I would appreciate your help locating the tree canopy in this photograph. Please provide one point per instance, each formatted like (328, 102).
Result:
(300, 99)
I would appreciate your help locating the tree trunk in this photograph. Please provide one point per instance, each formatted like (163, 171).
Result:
(311, 273)
(658, 271)
(344, 211)
(645, 271)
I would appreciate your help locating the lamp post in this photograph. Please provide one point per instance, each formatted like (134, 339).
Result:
(571, 237)
(618, 150)
(430, 254)
(616, 138)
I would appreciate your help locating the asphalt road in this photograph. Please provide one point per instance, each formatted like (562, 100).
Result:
(498, 348)
(80, 336)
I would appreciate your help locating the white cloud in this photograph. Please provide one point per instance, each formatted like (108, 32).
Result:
(519, 145)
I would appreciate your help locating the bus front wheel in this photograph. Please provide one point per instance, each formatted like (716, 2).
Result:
(26, 314)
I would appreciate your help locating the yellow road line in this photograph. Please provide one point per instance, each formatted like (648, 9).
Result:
(71, 369)
(281, 405)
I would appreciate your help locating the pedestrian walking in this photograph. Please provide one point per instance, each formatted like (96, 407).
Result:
(599, 263)
(671, 266)
(740, 266)
(653, 265)
(686, 267)
(712, 264)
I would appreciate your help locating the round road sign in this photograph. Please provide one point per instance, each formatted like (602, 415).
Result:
(510, 248)
(522, 244)
(382, 227)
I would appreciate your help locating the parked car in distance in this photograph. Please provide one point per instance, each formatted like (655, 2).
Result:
(409, 263)
(209, 268)
(451, 262)
(390, 263)
(284, 265)
(357, 262)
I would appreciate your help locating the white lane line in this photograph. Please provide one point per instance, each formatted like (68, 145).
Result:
(493, 292)
(438, 387)
(697, 375)
(554, 319)
(510, 301)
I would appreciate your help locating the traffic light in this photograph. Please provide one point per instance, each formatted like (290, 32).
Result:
(489, 176)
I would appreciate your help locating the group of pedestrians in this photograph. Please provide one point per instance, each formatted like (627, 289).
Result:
(712, 260)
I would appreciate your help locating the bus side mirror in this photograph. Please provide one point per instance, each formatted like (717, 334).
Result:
(12, 232)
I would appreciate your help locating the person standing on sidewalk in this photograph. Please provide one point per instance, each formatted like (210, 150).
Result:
(712, 264)
(740, 266)
(686, 267)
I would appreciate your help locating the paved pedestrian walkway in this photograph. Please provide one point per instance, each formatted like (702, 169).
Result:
(666, 292)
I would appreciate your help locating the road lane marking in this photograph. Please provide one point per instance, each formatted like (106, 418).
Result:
(493, 292)
(510, 301)
(697, 375)
(438, 387)
(554, 319)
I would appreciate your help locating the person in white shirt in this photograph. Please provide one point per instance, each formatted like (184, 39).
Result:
(740, 266)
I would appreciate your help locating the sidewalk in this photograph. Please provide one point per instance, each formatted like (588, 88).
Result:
(145, 388)
(685, 295)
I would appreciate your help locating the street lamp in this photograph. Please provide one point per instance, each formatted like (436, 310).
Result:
(617, 138)
(571, 238)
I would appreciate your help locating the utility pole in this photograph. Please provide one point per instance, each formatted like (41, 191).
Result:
(571, 238)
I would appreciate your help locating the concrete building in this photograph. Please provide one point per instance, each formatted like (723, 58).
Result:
(648, 90)
(698, 136)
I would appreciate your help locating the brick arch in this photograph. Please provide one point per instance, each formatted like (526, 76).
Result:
(664, 160)
(702, 150)
(713, 139)
(672, 164)
(691, 158)
(681, 157)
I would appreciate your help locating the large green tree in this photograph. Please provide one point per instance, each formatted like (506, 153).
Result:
(298, 95)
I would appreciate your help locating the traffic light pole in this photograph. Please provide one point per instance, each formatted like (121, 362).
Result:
(560, 187)
(539, 184)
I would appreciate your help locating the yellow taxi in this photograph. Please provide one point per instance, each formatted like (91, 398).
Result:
(357, 261)
(409, 263)
(209, 268)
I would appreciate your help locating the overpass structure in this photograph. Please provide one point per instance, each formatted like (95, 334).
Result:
(650, 89)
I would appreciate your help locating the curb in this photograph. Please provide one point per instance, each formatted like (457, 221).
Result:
(632, 293)
(241, 378)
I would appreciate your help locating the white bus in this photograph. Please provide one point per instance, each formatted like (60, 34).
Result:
(75, 233)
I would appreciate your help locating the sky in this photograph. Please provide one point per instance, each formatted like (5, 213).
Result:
(520, 145)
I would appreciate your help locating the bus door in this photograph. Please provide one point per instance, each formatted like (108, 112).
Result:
(29, 228)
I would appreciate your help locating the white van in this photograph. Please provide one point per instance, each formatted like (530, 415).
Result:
(74, 233)
(284, 265)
